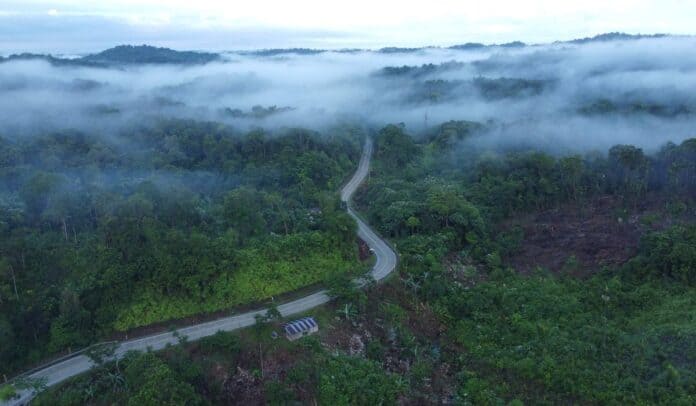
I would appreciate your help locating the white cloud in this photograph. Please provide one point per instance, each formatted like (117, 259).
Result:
(376, 23)
(330, 86)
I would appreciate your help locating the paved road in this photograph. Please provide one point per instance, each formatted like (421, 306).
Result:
(385, 263)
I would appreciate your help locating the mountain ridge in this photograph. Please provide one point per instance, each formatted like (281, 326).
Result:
(147, 54)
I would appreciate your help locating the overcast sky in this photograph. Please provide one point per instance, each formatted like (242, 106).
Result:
(72, 26)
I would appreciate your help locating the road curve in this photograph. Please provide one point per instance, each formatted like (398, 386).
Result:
(385, 263)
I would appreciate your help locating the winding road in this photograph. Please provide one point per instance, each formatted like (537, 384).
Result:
(385, 263)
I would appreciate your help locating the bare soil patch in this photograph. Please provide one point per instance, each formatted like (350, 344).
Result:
(584, 238)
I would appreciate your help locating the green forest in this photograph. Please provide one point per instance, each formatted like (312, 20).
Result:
(624, 333)
(106, 233)
(215, 204)
(460, 323)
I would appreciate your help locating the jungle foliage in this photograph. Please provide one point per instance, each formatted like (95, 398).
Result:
(459, 325)
(107, 233)
(623, 335)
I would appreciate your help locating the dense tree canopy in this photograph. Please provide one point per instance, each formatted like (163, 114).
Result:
(623, 335)
(104, 233)
(459, 324)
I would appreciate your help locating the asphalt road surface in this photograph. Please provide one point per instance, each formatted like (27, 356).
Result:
(385, 263)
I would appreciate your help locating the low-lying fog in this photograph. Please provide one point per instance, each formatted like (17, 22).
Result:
(559, 96)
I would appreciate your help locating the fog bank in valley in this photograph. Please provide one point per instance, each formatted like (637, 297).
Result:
(559, 96)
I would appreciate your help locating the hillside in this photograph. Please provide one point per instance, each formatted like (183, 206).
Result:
(462, 323)
(141, 54)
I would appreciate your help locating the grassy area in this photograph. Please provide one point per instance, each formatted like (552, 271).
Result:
(251, 283)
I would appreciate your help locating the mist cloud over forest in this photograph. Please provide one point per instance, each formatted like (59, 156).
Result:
(540, 196)
(562, 96)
